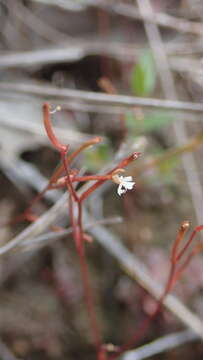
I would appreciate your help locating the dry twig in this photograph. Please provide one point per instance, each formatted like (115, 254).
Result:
(169, 89)
(128, 262)
(160, 345)
(131, 12)
(98, 98)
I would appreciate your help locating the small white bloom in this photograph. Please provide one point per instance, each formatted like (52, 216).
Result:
(125, 183)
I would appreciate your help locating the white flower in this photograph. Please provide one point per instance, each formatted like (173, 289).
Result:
(125, 183)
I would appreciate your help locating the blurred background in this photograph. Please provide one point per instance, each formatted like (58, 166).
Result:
(131, 72)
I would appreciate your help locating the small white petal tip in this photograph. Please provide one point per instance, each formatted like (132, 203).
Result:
(57, 108)
(125, 183)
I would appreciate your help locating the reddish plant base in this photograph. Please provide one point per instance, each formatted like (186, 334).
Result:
(65, 177)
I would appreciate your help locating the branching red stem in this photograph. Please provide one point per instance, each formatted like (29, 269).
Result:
(188, 243)
(121, 165)
(47, 123)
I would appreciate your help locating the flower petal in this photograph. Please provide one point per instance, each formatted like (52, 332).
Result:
(129, 185)
(121, 190)
(125, 184)
(128, 178)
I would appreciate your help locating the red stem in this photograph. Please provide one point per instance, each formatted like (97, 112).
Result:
(174, 275)
(62, 181)
(54, 178)
(183, 229)
(181, 253)
(139, 333)
(121, 165)
(67, 177)
(85, 277)
(46, 111)
(92, 177)
(78, 233)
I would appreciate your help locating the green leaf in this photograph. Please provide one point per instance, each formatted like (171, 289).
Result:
(144, 75)
(131, 121)
(156, 120)
(150, 122)
(166, 167)
(97, 157)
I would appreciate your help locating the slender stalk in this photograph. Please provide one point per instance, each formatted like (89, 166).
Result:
(76, 224)
(141, 331)
(84, 271)
(57, 173)
(183, 229)
(173, 277)
(121, 165)
(62, 181)
(68, 181)
(196, 230)
(46, 112)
